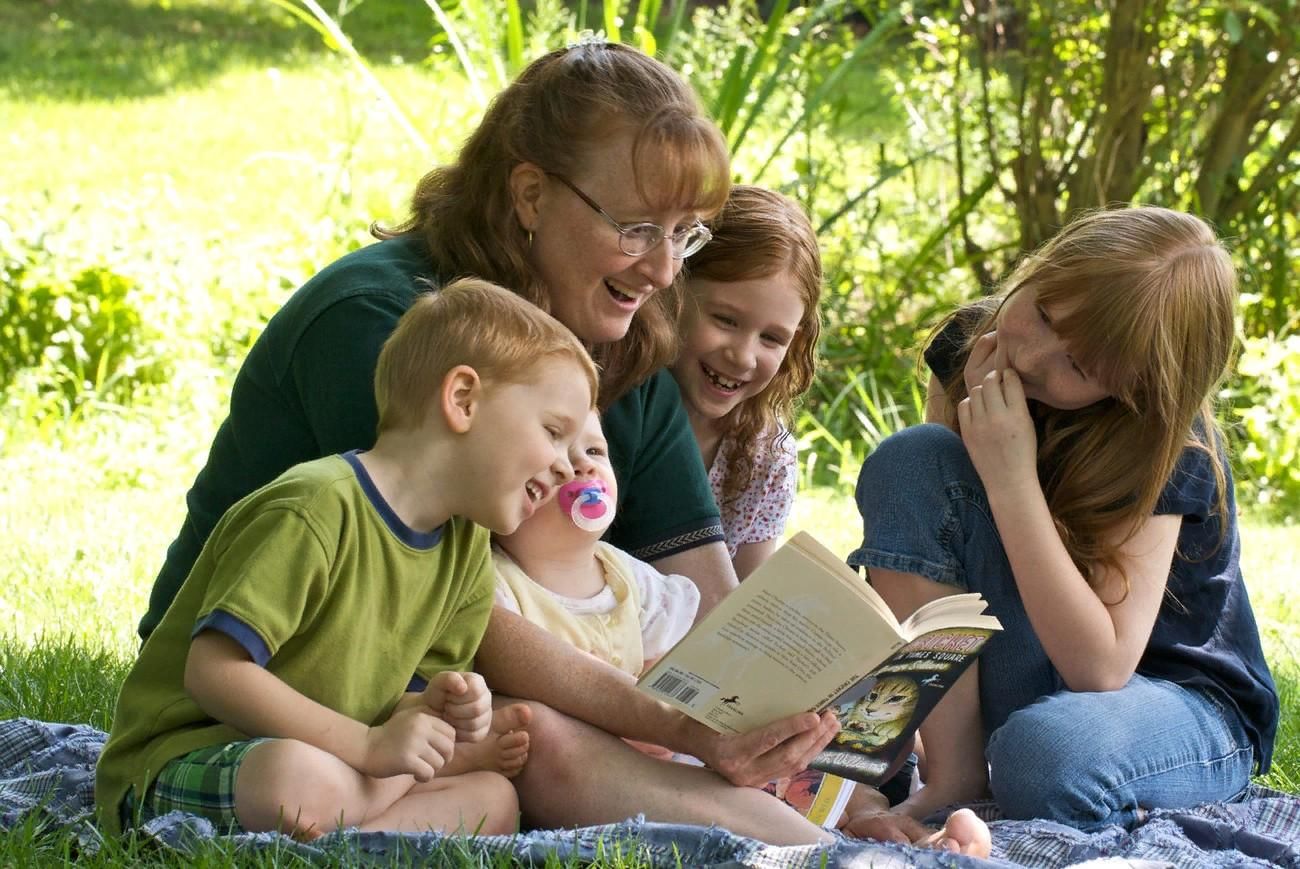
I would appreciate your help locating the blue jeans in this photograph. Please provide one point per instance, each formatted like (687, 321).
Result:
(1082, 758)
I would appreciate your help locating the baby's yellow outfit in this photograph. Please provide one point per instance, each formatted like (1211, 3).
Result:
(637, 616)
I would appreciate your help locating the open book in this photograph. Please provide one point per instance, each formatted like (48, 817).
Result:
(804, 632)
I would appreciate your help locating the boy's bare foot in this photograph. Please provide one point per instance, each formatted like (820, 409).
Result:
(504, 750)
(962, 833)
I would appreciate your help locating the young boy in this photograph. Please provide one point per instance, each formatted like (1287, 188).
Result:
(306, 675)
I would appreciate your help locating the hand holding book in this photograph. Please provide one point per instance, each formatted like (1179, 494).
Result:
(804, 632)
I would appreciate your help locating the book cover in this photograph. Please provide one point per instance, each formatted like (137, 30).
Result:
(879, 715)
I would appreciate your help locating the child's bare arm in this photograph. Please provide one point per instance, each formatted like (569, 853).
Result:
(225, 682)
(750, 555)
(1094, 637)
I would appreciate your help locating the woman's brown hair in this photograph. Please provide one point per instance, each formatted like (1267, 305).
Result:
(559, 107)
(1149, 296)
(761, 234)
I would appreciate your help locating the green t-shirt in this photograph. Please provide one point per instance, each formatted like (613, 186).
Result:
(328, 590)
(306, 390)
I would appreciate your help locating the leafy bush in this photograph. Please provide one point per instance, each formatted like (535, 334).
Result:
(81, 326)
(1266, 401)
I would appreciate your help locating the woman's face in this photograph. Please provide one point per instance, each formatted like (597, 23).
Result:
(595, 289)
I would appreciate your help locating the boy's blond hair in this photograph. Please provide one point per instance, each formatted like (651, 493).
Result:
(468, 322)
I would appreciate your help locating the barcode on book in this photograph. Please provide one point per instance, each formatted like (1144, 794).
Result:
(675, 684)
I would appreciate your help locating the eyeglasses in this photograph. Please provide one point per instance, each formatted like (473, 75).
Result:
(638, 239)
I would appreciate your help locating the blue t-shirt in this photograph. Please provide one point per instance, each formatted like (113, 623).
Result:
(1205, 634)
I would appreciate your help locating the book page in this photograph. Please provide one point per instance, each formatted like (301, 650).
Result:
(954, 611)
(837, 567)
(790, 639)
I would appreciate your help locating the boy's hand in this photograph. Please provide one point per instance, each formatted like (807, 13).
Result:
(463, 701)
(413, 742)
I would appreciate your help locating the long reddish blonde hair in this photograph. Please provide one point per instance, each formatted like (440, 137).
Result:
(760, 233)
(1151, 295)
(559, 108)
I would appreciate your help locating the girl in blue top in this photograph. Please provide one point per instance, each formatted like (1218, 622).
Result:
(1077, 480)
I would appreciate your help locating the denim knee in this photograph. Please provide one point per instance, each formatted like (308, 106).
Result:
(1089, 759)
(1039, 767)
(908, 495)
(926, 456)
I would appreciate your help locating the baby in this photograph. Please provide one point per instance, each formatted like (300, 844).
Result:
(556, 572)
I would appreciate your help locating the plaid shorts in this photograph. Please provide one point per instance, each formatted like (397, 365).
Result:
(201, 783)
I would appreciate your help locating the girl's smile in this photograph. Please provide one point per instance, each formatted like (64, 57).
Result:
(735, 338)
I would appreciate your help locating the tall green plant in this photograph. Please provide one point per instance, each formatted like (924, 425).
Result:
(849, 424)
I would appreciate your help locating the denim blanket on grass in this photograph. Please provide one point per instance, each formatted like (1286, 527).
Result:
(47, 779)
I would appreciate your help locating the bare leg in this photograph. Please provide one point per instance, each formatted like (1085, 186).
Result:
(579, 775)
(478, 802)
(298, 789)
(503, 750)
(953, 734)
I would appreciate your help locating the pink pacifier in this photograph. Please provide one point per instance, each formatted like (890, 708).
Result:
(587, 503)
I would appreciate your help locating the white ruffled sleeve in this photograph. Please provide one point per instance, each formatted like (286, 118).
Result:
(668, 606)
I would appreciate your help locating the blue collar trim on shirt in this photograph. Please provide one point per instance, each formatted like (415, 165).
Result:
(405, 533)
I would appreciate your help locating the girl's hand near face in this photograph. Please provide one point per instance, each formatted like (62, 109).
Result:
(985, 356)
(999, 432)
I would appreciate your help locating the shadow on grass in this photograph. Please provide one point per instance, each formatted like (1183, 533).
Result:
(110, 49)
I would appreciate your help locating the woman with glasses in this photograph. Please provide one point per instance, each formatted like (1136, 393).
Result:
(583, 189)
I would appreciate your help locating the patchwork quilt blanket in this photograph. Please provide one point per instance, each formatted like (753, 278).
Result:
(47, 778)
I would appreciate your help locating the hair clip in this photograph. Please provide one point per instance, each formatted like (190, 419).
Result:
(589, 37)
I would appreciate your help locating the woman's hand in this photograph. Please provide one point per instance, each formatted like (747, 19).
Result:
(998, 431)
(779, 750)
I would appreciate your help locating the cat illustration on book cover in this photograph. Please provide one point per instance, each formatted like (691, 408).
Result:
(880, 716)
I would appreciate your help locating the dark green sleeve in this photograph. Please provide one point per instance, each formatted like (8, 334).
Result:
(665, 503)
(306, 390)
(332, 371)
